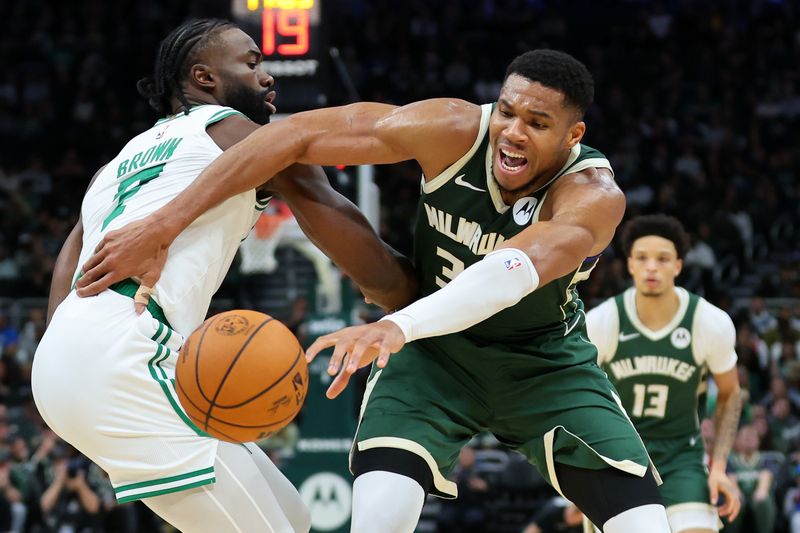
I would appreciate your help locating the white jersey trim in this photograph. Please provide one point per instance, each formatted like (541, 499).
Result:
(449, 172)
(629, 299)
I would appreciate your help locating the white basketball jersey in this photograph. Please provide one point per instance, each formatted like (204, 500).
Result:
(152, 169)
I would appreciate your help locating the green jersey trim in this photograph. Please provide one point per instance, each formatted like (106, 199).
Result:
(168, 385)
(128, 287)
(221, 115)
(178, 115)
(164, 485)
(629, 301)
(449, 172)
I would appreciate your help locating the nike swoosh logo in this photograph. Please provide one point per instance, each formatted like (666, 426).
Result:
(629, 336)
(460, 181)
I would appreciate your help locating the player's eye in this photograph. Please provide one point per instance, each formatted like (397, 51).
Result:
(252, 65)
(505, 113)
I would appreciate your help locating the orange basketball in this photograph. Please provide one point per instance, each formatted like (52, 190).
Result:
(241, 376)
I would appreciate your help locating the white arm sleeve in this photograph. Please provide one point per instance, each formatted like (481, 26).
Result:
(602, 325)
(499, 280)
(715, 338)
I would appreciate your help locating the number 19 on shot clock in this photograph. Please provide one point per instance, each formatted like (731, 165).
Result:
(291, 37)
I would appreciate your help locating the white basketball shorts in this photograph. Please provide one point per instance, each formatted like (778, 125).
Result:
(103, 380)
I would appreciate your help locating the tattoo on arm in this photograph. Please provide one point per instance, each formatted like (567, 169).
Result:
(727, 424)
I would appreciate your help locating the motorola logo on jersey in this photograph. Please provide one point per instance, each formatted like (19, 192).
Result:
(523, 209)
(328, 496)
(681, 338)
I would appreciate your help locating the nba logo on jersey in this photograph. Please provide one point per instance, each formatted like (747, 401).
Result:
(162, 132)
(511, 264)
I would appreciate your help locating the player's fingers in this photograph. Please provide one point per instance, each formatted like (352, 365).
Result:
(732, 505)
(102, 243)
(96, 287)
(326, 341)
(139, 308)
(339, 352)
(712, 490)
(339, 384)
(357, 354)
(92, 269)
(383, 355)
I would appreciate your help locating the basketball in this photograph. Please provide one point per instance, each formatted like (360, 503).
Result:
(241, 376)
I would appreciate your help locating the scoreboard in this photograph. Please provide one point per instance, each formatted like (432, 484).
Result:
(291, 36)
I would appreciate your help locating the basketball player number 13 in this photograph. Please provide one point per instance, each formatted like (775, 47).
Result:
(656, 396)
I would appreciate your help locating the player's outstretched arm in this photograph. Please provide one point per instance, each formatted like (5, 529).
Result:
(339, 229)
(434, 132)
(584, 210)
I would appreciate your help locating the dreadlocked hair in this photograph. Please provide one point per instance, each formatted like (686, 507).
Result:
(176, 53)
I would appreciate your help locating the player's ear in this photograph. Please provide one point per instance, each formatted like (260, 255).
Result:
(202, 76)
(678, 267)
(575, 134)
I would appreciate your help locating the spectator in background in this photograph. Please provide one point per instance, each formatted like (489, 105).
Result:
(778, 388)
(70, 501)
(783, 426)
(29, 338)
(760, 318)
(466, 514)
(12, 507)
(752, 471)
(8, 333)
(791, 502)
(556, 516)
(753, 358)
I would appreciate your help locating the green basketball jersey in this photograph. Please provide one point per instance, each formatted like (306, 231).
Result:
(657, 376)
(462, 217)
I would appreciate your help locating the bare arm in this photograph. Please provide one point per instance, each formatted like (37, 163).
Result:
(386, 277)
(434, 132)
(65, 266)
(66, 263)
(366, 133)
(584, 211)
(726, 417)
(726, 423)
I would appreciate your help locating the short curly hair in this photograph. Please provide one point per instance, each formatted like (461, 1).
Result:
(663, 226)
(559, 71)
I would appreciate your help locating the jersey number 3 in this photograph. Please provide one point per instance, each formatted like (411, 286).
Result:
(453, 268)
(656, 398)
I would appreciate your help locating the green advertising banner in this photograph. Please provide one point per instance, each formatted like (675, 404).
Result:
(319, 467)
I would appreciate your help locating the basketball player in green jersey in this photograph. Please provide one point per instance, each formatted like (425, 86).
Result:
(656, 342)
(512, 206)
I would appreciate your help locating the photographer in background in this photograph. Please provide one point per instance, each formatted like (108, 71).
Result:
(70, 504)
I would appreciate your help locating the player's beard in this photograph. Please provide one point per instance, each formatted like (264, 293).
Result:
(250, 103)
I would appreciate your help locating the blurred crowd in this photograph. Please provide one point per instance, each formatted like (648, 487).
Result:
(697, 107)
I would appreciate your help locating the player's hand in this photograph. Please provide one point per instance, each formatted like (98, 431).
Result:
(137, 250)
(720, 483)
(355, 348)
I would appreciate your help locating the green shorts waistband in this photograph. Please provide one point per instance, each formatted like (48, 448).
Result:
(128, 288)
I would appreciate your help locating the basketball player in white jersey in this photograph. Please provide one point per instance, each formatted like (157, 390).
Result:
(103, 373)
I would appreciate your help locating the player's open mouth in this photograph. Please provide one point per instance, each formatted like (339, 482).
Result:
(269, 99)
(510, 161)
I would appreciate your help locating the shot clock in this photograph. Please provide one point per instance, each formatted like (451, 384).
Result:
(290, 34)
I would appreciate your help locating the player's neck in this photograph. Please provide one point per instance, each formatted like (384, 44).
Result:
(655, 312)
